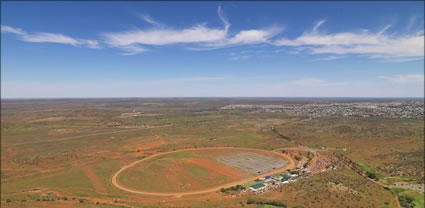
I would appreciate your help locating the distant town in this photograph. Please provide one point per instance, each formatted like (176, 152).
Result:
(405, 110)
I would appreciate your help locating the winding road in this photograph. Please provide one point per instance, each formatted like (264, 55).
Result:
(291, 164)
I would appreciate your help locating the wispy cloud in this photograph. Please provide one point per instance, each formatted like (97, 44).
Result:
(318, 24)
(204, 37)
(43, 37)
(405, 79)
(390, 59)
(151, 21)
(223, 19)
(251, 52)
(362, 43)
(239, 57)
(183, 80)
(330, 58)
(415, 23)
(160, 35)
(132, 50)
(314, 82)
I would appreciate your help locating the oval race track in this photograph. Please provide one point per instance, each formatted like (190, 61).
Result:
(290, 165)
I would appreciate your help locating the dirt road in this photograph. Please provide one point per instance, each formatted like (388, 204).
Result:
(291, 164)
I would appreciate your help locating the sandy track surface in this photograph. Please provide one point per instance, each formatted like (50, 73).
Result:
(291, 164)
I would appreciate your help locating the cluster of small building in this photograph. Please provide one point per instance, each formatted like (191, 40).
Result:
(275, 181)
(402, 109)
(272, 181)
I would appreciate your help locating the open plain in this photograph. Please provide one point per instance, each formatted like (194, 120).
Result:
(192, 153)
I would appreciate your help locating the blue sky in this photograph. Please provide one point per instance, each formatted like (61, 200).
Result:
(207, 49)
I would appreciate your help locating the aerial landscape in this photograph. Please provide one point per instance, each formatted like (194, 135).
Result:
(212, 104)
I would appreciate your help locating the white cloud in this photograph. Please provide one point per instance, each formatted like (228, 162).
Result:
(163, 36)
(42, 37)
(313, 82)
(404, 79)
(408, 46)
(49, 38)
(8, 29)
(362, 43)
(344, 38)
(248, 37)
(197, 34)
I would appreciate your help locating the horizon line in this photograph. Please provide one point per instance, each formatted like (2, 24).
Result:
(174, 97)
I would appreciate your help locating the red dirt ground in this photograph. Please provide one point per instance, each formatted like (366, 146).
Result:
(95, 180)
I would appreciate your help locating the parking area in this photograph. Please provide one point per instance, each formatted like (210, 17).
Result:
(252, 162)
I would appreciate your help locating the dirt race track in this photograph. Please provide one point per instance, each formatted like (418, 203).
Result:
(291, 164)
